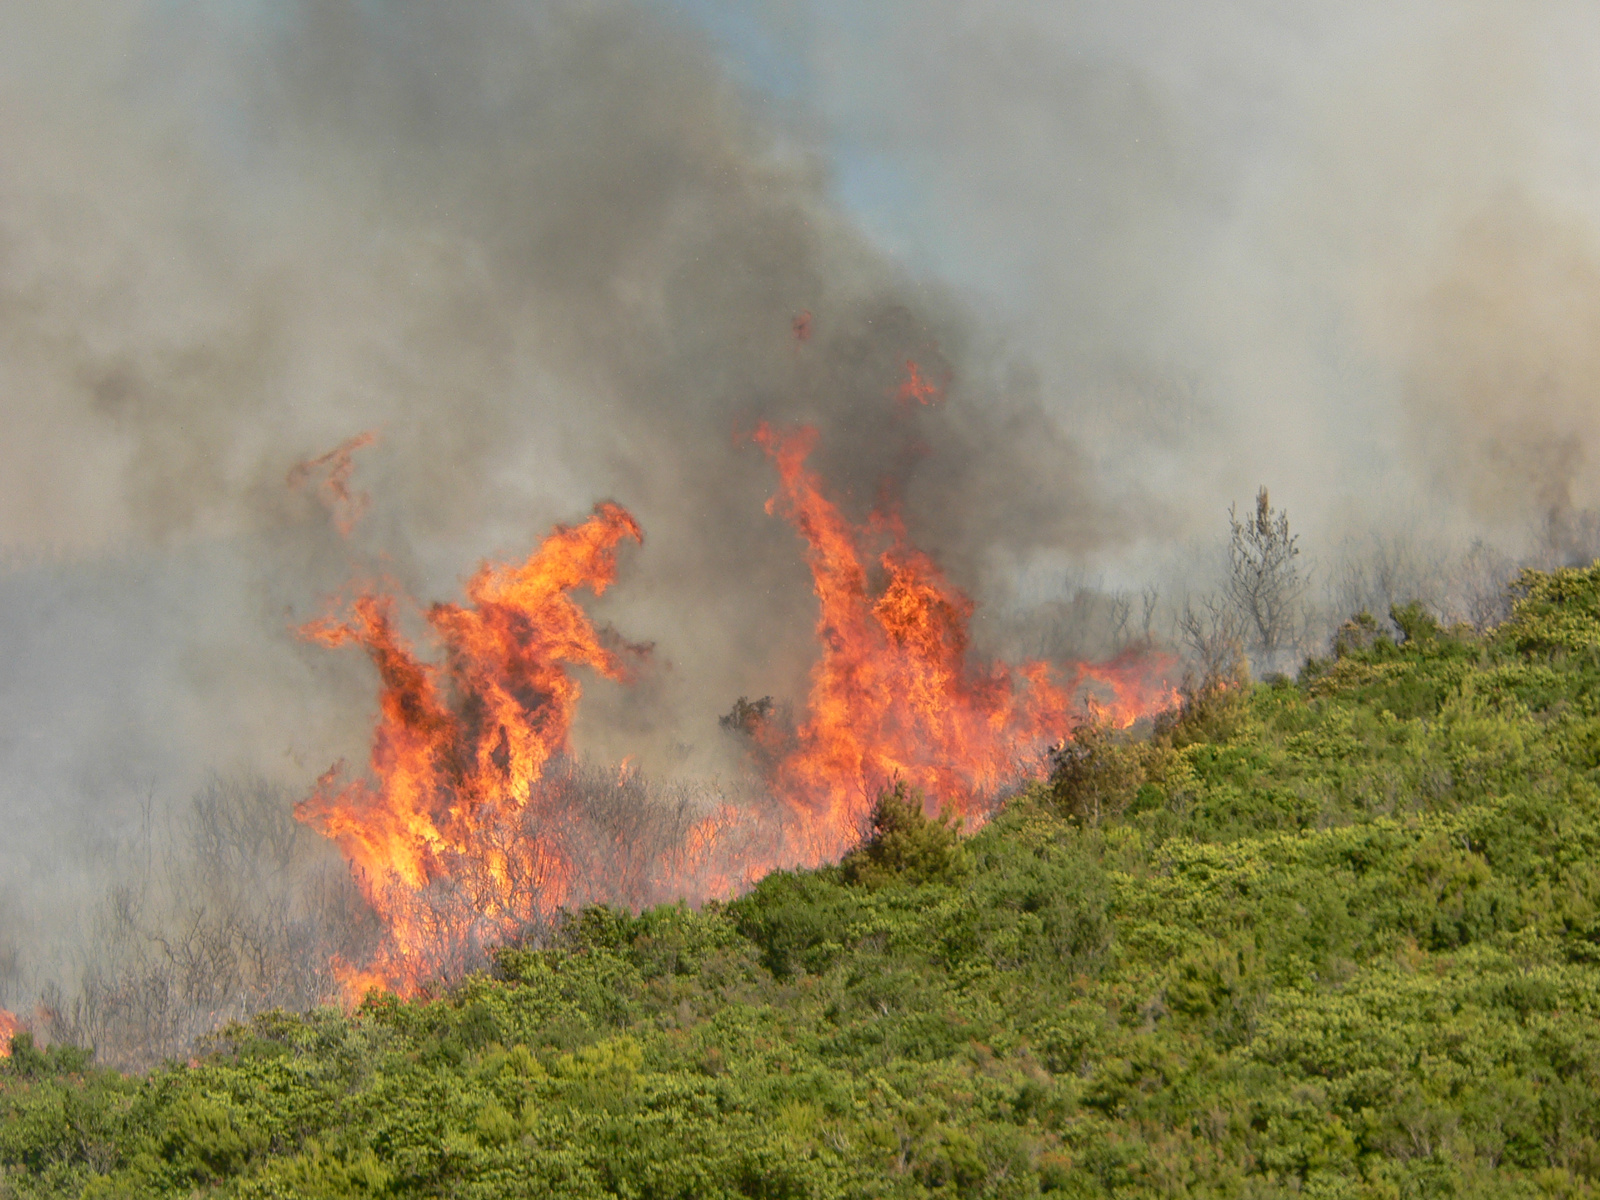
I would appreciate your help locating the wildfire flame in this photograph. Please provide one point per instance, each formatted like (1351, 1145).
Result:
(10, 1026)
(895, 694)
(471, 826)
(460, 745)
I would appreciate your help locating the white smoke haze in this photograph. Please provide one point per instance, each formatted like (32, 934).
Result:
(1155, 254)
(1259, 243)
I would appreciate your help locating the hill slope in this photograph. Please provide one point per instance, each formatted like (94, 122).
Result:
(1339, 937)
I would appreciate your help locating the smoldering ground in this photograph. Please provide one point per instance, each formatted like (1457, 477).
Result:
(555, 252)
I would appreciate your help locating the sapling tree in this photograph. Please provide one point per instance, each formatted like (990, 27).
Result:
(1265, 583)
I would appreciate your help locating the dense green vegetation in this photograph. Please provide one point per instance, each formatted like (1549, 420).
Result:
(1331, 937)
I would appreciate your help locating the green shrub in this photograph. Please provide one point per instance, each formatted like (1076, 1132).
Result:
(1097, 774)
(28, 1061)
(905, 845)
(1554, 611)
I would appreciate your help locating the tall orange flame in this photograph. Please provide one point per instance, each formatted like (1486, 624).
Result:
(460, 745)
(10, 1026)
(895, 694)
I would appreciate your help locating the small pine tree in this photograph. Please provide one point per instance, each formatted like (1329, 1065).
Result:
(906, 845)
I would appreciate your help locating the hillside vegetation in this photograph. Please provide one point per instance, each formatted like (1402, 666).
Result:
(1331, 937)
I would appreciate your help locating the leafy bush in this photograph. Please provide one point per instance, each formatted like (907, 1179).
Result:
(1097, 774)
(905, 846)
(1554, 611)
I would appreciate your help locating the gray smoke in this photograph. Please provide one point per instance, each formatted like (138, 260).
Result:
(1344, 250)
